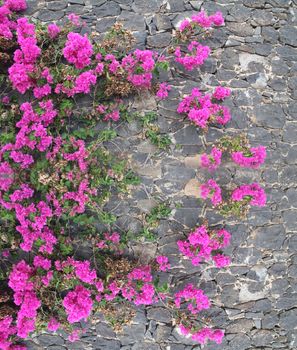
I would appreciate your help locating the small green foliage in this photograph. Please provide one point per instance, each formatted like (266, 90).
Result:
(161, 141)
(151, 221)
(161, 211)
(152, 131)
(232, 208)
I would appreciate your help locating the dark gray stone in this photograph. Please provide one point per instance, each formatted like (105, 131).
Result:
(278, 84)
(57, 5)
(240, 13)
(145, 346)
(77, 9)
(132, 21)
(151, 6)
(254, 4)
(132, 333)
(78, 2)
(104, 330)
(159, 314)
(279, 67)
(263, 17)
(175, 5)
(288, 35)
(270, 237)
(109, 9)
(51, 339)
(240, 342)
(97, 2)
(288, 319)
(287, 53)
(49, 16)
(162, 22)
(159, 40)
(270, 116)
(104, 24)
(106, 344)
(262, 338)
(240, 29)
(270, 34)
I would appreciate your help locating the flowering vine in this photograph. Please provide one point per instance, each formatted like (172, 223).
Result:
(52, 176)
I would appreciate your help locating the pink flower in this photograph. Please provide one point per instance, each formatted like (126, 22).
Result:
(196, 57)
(83, 271)
(253, 193)
(78, 304)
(74, 336)
(53, 325)
(202, 244)
(53, 30)
(253, 158)
(204, 334)
(78, 50)
(74, 19)
(202, 111)
(185, 24)
(217, 19)
(19, 76)
(42, 91)
(221, 260)
(221, 93)
(163, 262)
(16, 5)
(44, 263)
(212, 161)
(114, 115)
(84, 82)
(213, 189)
(162, 93)
(5, 100)
(6, 331)
(196, 299)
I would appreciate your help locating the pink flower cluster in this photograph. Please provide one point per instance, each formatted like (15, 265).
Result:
(162, 93)
(53, 30)
(221, 93)
(109, 112)
(81, 270)
(25, 297)
(78, 304)
(202, 111)
(78, 50)
(195, 298)
(203, 244)
(6, 331)
(203, 335)
(7, 24)
(251, 159)
(140, 288)
(253, 193)
(111, 241)
(163, 262)
(202, 20)
(213, 160)
(16, 5)
(196, 56)
(142, 61)
(25, 57)
(211, 189)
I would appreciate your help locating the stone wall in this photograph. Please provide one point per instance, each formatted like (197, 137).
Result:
(255, 54)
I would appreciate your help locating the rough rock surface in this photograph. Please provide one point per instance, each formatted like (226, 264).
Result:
(256, 55)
